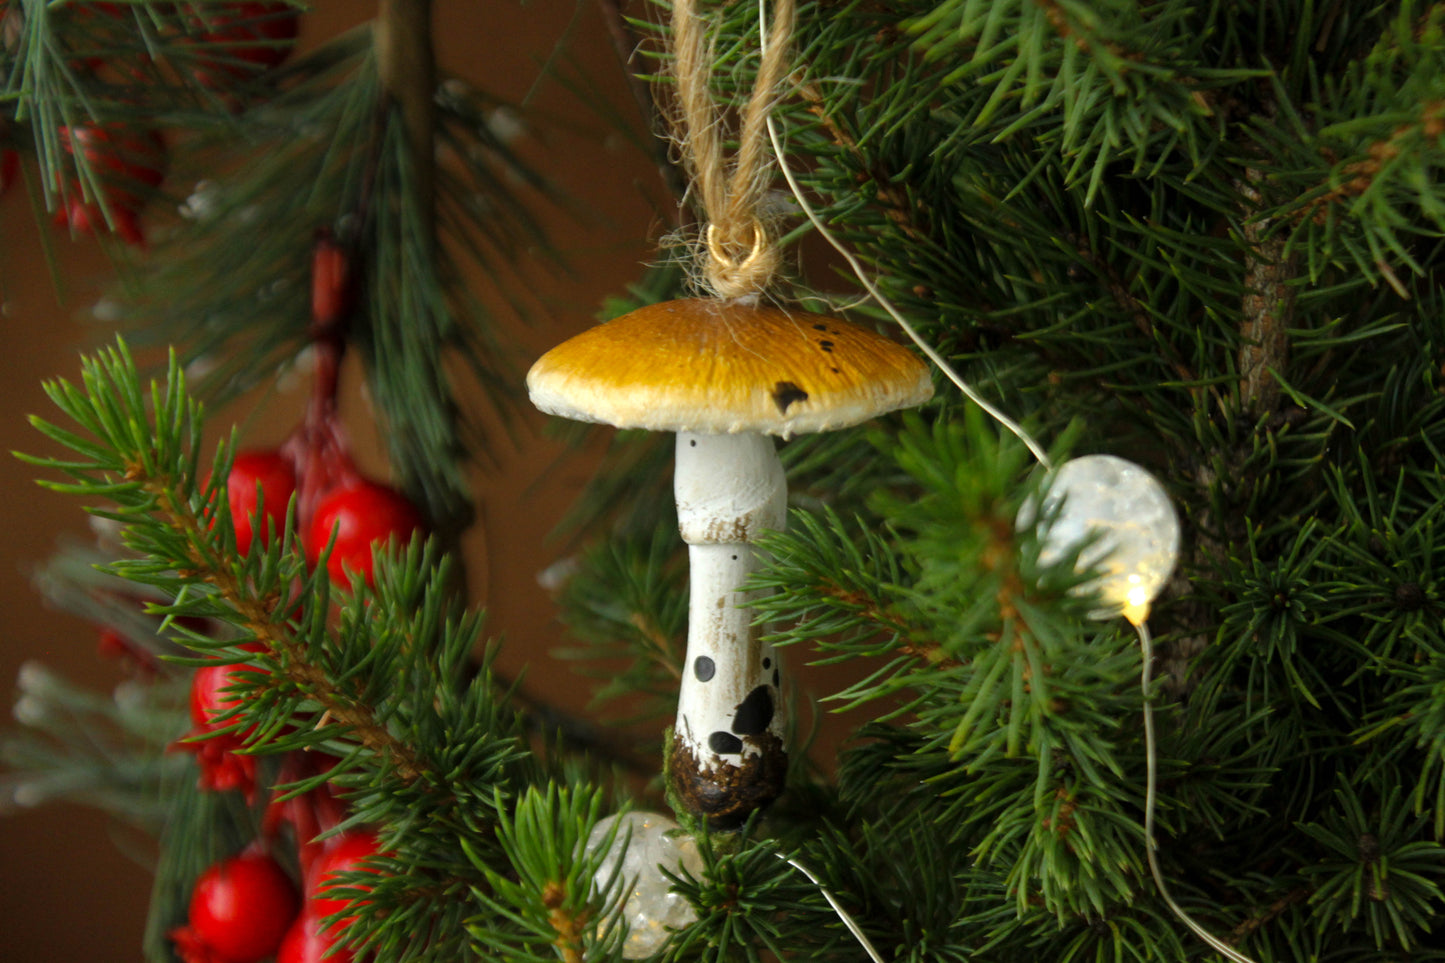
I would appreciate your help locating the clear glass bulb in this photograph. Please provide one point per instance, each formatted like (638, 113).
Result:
(1137, 530)
(651, 908)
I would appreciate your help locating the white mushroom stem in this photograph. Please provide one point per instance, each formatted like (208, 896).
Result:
(729, 489)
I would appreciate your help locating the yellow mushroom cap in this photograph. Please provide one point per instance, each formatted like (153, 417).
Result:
(717, 367)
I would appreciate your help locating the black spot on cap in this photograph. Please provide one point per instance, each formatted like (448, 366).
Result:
(826, 345)
(786, 393)
(820, 327)
(755, 714)
(724, 742)
(703, 668)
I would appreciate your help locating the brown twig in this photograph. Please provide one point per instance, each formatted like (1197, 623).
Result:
(1267, 308)
(1270, 913)
(1132, 307)
(406, 64)
(569, 928)
(887, 622)
(896, 206)
(664, 651)
(1360, 175)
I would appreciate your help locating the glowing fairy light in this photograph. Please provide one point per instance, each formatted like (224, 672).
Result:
(1125, 522)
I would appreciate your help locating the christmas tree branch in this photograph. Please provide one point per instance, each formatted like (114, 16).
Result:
(144, 457)
(1134, 309)
(257, 617)
(896, 205)
(406, 64)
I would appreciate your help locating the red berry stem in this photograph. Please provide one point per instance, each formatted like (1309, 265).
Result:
(332, 288)
(307, 827)
(319, 447)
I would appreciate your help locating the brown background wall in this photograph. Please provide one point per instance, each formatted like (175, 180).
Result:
(67, 892)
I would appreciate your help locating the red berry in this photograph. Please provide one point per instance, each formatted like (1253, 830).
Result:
(222, 767)
(241, 909)
(259, 473)
(308, 942)
(345, 853)
(209, 700)
(83, 218)
(129, 162)
(244, 38)
(115, 644)
(361, 515)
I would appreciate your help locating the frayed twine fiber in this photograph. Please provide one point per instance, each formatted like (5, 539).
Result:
(740, 255)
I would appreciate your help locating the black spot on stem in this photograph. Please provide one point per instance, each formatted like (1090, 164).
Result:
(755, 714)
(724, 742)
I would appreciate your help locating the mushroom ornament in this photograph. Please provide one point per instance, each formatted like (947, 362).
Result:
(724, 375)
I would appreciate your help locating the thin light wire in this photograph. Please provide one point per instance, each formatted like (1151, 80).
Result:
(1151, 792)
(1151, 798)
(1003, 419)
(848, 921)
(1013, 426)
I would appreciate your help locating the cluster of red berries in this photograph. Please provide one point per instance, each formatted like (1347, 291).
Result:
(241, 39)
(336, 505)
(339, 514)
(223, 767)
(227, 43)
(247, 907)
(352, 517)
(357, 513)
(222, 43)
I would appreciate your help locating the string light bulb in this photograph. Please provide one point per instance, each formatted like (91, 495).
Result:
(644, 845)
(1131, 520)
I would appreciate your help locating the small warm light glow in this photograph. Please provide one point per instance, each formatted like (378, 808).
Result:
(1136, 603)
(1135, 615)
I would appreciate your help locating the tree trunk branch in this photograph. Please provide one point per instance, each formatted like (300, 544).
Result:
(407, 65)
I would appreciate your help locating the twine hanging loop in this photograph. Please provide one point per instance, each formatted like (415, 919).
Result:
(738, 254)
